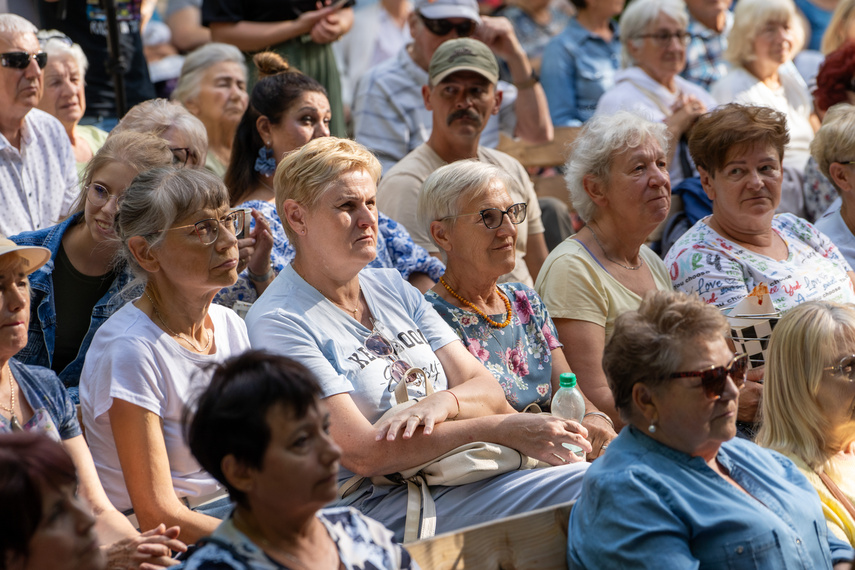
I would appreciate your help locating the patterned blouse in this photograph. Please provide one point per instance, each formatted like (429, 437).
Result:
(519, 355)
(395, 250)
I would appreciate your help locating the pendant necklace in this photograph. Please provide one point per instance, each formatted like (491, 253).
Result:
(186, 338)
(13, 421)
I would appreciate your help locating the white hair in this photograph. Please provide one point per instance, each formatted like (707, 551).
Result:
(13, 24)
(639, 15)
(197, 63)
(56, 47)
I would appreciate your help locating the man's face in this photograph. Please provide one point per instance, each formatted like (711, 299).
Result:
(462, 103)
(425, 41)
(707, 11)
(20, 89)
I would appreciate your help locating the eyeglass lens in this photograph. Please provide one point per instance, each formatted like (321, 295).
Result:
(846, 366)
(180, 156)
(493, 217)
(442, 27)
(378, 345)
(99, 195)
(207, 230)
(21, 59)
(664, 38)
(714, 381)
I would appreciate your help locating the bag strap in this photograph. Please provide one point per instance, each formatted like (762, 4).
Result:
(838, 494)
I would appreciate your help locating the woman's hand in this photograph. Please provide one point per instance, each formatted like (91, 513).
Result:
(685, 111)
(150, 550)
(428, 412)
(600, 434)
(332, 27)
(541, 437)
(254, 251)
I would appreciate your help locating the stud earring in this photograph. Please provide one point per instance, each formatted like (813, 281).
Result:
(651, 428)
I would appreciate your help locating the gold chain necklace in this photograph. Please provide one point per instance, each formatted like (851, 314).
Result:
(339, 305)
(13, 422)
(186, 338)
(479, 311)
(631, 268)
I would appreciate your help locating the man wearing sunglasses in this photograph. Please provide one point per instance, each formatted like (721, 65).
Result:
(462, 95)
(389, 117)
(38, 176)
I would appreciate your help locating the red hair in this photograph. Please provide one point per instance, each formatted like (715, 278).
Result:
(835, 77)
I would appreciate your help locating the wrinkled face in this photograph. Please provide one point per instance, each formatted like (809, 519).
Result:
(102, 199)
(14, 305)
(425, 42)
(836, 392)
(65, 538)
(462, 103)
(660, 59)
(774, 43)
(222, 96)
(20, 89)
(687, 420)
(307, 119)
(64, 93)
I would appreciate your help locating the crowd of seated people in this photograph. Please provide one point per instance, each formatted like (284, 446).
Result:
(224, 323)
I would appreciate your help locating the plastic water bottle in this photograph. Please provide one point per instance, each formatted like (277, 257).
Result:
(568, 404)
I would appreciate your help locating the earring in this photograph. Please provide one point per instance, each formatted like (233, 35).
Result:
(265, 164)
(651, 428)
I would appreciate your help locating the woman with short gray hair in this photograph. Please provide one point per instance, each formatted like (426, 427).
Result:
(653, 53)
(618, 180)
(212, 86)
(506, 326)
(178, 236)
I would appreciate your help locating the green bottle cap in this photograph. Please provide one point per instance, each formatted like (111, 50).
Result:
(567, 380)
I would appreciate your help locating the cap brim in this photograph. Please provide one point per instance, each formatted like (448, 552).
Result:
(440, 11)
(34, 256)
(440, 76)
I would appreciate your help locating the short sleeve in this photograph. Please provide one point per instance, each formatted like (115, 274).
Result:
(397, 196)
(572, 289)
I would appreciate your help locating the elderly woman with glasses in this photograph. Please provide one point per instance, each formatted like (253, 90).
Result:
(809, 412)
(64, 95)
(472, 220)
(676, 489)
(653, 52)
(766, 35)
(147, 361)
(373, 340)
(79, 288)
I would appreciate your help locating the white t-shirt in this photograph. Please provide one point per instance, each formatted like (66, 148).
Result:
(293, 319)
(133, 360)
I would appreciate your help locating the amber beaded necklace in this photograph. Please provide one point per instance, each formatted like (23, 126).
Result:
(479, 311)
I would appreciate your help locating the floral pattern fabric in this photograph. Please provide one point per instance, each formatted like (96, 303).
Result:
(395, 250)
(819, 191)
(519, 355)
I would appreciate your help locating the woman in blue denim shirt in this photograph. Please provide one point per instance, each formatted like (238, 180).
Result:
(79, 288)
(580, 63)
(675, 489)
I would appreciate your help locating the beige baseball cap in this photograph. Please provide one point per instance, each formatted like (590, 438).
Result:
(463, 54)
(34, 256)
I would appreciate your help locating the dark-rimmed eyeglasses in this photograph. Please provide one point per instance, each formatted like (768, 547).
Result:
(714, 378)
(181, 155)
(443, 27)
(844, 162)
(209, 229)
(98, 195)
(379, 345)
(663, 39)
(21, 59)
(493, 217)
(846, 367)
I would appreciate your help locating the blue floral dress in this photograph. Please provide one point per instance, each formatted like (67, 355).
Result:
(395, 250)
(519, 355)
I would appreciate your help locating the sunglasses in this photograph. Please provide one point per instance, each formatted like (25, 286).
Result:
(846, 367)
(493, 217)
(443, 27)
(379, 345)
(714, 378)
(21, 59)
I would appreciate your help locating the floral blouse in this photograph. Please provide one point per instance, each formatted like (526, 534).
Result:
(519, 355)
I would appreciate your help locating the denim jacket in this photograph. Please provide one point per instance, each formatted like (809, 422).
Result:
(42, 333)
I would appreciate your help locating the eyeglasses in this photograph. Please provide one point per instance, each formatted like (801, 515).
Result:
(845, 367)
(442, 27)
(844, 162)
(378, 345)
(493, 217)
(209, 229)
(714, 378)
(182, 155)
(21, 59)
(663, 39)
(98, 195)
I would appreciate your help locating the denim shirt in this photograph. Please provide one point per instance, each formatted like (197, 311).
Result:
(42, 333)
(646, 505)
(578, 67)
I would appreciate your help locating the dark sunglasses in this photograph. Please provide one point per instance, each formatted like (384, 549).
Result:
(845, 367)
(21, 59)
(714, 378)
(443, 27)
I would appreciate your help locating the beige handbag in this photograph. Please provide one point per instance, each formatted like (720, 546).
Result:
(468, 463)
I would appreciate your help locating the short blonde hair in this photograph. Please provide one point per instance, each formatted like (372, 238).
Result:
(835, 140)
(750, 16)
(837, 32)
(806, 339)
(306, 173)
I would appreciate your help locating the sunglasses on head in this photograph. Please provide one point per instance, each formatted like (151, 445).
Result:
(443, 27)
(714, 378)
(21, 59)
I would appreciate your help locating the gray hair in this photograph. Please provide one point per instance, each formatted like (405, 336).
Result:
(56, 47)
(455, 184)
(158, 198)
(602, 138)
(639, 15)
(835, 140)
(197, 63)
(13, 24)
(749, 18)
(155, 116)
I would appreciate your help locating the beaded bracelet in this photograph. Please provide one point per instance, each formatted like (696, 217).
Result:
(602, 415)
(453, 395)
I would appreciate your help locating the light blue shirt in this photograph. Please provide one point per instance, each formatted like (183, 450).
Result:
(646, 505)
(833, 226)
(578, 67)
